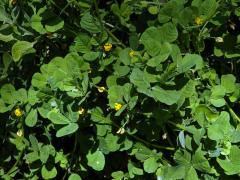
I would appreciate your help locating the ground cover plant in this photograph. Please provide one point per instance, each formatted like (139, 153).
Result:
(119, 89)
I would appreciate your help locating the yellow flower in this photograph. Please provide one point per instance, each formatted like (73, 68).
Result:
(81, 110)
(199, 21)
(117, 106)
(101, 89)
(90, 70)
(121, 131)
(49, 35)
(107, 47)
(12, 2)
(19, 133)
(131, 53)
(219, 39)
(18, 112)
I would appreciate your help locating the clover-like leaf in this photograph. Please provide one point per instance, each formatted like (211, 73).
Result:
(96, 160)
(20, 48)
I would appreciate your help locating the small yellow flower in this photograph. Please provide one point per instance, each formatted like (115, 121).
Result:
(107, 47)
(198, 21)
(121, 131)
(101, 89)
(90, 70)
(219, 39)
(19, 133)
(12, 2)
(117, 106)
(131, 53)
(18, 112)
(81, 110)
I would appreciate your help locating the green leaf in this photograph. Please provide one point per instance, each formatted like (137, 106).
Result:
(38, 80)
(3, 107)
(31, 118)
(174, 172)
(217, 96)
(66, 130)
(7, 59)
(118, 175)
(133, 170)
(151, 39)
(54, 25)
(109, 144)
(204, 114)
(82, 43)
(57, 118)
(124, 56)
(91, 56)
(4, 16)
(169, 32)
(220, 128)
(89, 23)
(7, 93)
(36, 23)
(153, 10)
(235, 136)
(138, 79)
(189, 61)
(34, 142)
(150, 165)
(48, 173)
(96, 160)
(165, 51)
(46, 21)
(121, 70)
(228, 82)
(231, 164)
(44, 153)
(97, 116)
(182, 157)
(20, 48)
(21, 95)
(168, 97)
(115, 95)
(201, 163)
(191, 174)
(6, 38)
(208, 8)
(74, 176)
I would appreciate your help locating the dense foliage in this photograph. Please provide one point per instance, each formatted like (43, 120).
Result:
(119, 89)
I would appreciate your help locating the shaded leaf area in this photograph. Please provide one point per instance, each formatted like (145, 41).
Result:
(118, 90)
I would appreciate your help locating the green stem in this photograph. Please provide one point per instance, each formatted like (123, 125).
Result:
(179, 126)
(99, 18)
(150, 144)
(168, 138)
(115, 38)
(233, 114)
(16, 163)
(73, 151)
(144, 141)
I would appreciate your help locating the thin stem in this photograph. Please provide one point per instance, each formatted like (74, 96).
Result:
(168, 138)
(115, 38)
(177, 125)
(99, 18)
(150, 144)
(144, 141)
(233, 114)
(16, 163)
(200, 33)
(73, 151)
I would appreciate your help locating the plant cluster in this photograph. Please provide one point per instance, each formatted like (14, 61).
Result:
(131, 89)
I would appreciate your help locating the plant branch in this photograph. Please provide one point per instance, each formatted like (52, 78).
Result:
(16, 163)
